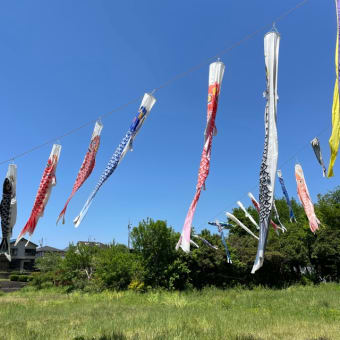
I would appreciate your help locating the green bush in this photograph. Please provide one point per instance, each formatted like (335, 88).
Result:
(14, 277)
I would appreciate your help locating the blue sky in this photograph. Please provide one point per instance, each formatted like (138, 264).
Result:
(64, 63)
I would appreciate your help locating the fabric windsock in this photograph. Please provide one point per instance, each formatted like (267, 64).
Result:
(216, 72)
(239, 203)
(86, 167)
(237, 221)
(48, 181)
(220, 229)
(334, 140)
(8, 210)
(125, 145)
(285, 193)
(270, 151)
(205, 241)
(317, 150)
(305, 198)
(276, 213)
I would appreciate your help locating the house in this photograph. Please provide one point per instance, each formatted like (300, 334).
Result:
(40, 252)
(23, 256)
(92, 244)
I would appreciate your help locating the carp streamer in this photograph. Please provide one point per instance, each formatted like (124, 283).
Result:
(285, 193)
(125, 145)
(48, 181)
(86, 167)
(216, 71)
(270, 152)
(8, 210)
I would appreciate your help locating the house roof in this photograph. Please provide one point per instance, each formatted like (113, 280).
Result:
(48, 248)
(24, 240)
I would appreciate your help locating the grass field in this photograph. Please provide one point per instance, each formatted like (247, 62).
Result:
(294, 313)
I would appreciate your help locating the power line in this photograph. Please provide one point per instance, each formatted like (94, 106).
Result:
(165, 84)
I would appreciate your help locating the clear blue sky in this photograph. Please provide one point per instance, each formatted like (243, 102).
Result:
(66, 62)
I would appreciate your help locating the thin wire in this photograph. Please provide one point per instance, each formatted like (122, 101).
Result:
(229, 206)
(167, 83)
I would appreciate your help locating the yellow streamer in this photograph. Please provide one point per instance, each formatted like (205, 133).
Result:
(335, 137)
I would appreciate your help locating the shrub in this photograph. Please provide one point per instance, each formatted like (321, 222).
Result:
(14, 277)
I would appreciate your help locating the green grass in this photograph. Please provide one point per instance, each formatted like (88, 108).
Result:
(308, 313)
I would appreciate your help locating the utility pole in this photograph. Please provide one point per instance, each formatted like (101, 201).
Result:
(129, 230)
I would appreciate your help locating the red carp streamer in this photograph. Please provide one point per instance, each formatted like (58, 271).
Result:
(86, 167)
(48, 180)
(216, 72)
(305, 199)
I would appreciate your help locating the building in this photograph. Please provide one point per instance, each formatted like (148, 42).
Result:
(23, 257)
(42, 251)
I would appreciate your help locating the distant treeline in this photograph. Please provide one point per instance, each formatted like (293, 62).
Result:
(297, 256)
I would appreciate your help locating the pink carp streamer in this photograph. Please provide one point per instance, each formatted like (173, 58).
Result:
(86, 167)
(305, 198)
(48, 180)
(216, 72)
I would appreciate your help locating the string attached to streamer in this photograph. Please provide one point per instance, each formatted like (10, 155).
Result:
(216, 72)
(125, 145)
(86, 167)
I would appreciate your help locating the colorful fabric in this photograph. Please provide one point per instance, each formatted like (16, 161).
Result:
(257, 207)
(305, 198)
(125, 145)
(285, 193)
(270, 152)
(205, 241)
(276, 213)
(334, 140)
(8, 210)
(239, 203)
(48, 180)
(194, 243)
(216, 72)
(237, 221)
(220, 230)
(86, 167)
(317, 150)
(223, 224)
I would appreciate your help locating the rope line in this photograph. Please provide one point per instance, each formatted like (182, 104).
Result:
(165, 84)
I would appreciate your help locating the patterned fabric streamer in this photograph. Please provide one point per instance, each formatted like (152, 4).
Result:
(239, 203)
(257, 207)
(237, 221)
(305, 198)
(216, 72)
(48, 181)
(283, 228)
(285, 193)
(220, 229)
(8, 210)
(205, 241)
(194, 243)
(224, 225)
(125, 145)
(270, 152)
(317, 150)
(86, 167)
(334, 140)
